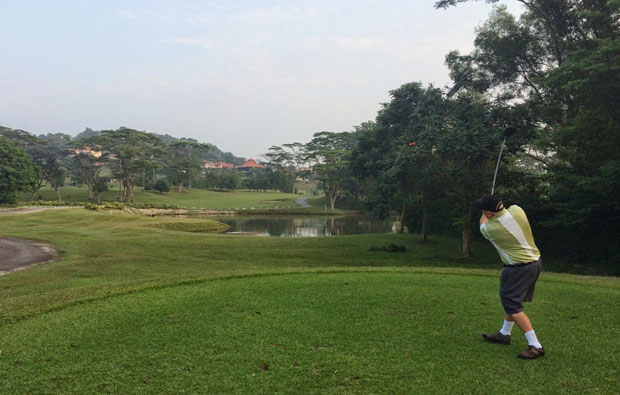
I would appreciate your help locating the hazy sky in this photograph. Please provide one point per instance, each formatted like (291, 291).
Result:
(243, 75)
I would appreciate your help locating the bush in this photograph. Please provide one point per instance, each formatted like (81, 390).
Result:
(162, 185)
(390, 248)
(55, 203)
(121, 206)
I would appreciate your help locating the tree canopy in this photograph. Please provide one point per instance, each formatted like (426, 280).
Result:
(17, 172)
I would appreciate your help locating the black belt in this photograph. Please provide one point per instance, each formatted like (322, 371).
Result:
(519, 264)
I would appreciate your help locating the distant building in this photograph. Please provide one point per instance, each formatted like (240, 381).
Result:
(250, 164)
(209, 165)
(94, 151)
(224, 165)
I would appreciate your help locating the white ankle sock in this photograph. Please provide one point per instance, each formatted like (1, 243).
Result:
(507, 328)
(532, 340)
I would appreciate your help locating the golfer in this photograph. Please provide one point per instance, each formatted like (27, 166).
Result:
(510, 233)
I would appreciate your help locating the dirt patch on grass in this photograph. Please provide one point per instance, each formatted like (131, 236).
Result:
(17, 254)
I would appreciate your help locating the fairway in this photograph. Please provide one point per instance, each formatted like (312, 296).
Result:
(324, 332)
(136, 304)
(198, 198)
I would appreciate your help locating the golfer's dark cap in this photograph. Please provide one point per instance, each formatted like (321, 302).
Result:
(489, 203)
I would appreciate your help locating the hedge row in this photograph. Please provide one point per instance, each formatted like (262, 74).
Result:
(103, 206)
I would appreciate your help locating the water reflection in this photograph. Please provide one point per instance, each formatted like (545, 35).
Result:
(315, 226)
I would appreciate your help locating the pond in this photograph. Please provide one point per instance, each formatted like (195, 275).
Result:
(312, 226)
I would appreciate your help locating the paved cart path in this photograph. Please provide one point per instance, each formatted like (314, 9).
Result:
(17, 254)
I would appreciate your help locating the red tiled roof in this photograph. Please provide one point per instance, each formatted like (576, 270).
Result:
(251, 163)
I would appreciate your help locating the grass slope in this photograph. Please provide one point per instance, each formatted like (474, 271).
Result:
(198, 198)
(107, 252)
(149, 305)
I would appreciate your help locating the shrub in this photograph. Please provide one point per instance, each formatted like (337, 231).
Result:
(162, 185)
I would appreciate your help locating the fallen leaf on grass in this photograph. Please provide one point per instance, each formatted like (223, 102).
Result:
(406, 354)
(265, 367)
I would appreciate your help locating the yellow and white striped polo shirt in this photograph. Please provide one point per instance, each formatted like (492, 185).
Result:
(510, 233)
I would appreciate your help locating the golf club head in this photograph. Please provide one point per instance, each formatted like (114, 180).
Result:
(510, 131)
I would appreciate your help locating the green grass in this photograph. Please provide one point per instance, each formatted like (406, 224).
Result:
(151, 305)
(198, 198)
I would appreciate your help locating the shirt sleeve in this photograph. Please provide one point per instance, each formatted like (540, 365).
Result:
(483, 231)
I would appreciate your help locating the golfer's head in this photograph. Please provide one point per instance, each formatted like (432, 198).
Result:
(490, 203)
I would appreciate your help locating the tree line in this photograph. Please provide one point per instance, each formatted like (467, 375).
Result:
(554, 74)
(130, 157)
(134, 158)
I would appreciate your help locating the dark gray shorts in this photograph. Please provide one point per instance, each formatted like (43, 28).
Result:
(516, 285)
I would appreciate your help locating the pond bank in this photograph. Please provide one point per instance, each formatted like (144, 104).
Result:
(155, 212)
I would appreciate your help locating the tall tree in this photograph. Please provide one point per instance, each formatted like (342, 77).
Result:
(129, 152)
(49, 153)
(17, 172)
(52, 157)
(86, 167)
(329, 154)
(415, 119)
(399, 152)
(288, 160)
(184, 163)
(468, 149)
(35, 148)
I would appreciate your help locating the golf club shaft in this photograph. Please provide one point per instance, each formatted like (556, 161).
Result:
(497, 165)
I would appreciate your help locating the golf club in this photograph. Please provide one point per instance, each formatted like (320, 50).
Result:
(509, 131)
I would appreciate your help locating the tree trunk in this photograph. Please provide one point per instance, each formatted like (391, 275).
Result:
(36, 189)
(402, 220)
(467, 234)
(59, 197)
(332, 227)
(128, 196)
(98, 197)
(424, 232)
(332, 200)
(90, 190)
